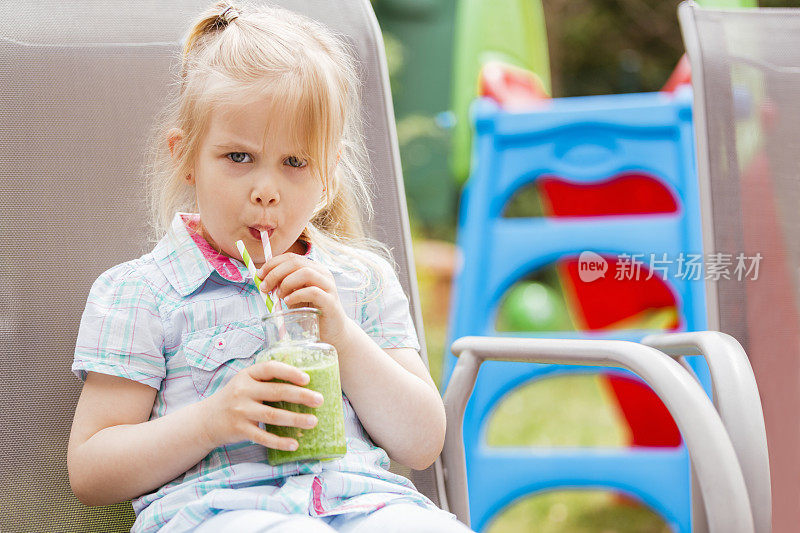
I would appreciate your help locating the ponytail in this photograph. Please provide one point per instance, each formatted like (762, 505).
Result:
(216, 18)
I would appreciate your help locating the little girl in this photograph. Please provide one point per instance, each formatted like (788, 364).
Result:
(264, 136)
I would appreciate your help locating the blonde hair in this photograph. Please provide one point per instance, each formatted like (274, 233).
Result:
(235, 50)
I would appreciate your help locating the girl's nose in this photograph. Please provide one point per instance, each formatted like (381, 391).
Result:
(265, 193)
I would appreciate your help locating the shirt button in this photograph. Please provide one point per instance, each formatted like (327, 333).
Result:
(220, 343)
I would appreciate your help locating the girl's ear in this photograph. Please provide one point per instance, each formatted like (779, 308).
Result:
(175, 141)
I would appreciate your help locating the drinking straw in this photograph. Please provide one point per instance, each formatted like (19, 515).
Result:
(268, 255)
(267, 247)
(252, 270)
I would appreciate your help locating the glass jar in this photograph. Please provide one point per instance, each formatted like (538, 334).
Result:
(292, 337)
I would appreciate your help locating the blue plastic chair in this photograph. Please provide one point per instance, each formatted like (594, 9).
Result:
(585, 139)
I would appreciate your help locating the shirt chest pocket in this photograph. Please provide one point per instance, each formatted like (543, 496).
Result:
(217, 354)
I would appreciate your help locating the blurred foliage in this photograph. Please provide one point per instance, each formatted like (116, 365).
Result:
(611, 46)
(595, 46)
(418, 42)
(615, 46)
(394, 57)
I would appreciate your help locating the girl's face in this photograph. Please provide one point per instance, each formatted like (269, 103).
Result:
(243, 185)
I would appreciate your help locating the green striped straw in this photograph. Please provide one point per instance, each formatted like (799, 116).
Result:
(251, 268)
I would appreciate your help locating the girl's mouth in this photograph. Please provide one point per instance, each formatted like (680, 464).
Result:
(256, 234)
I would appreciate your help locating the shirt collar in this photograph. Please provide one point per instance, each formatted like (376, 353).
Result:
(187, 259)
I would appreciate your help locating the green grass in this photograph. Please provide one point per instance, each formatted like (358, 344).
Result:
(570, 410)
(577, 512)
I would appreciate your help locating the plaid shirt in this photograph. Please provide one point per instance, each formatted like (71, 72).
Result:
(184, 319)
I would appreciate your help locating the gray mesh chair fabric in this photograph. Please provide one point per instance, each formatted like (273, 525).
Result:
(746, 76)
(79, 86)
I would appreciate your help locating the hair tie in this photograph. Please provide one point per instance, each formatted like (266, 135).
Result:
(229, 9)
(226, 17)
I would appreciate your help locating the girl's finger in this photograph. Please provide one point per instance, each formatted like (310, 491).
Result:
(307, 296)
(273, 278)
(272, 263)
(276, 392)
(259, 412)
(264, 269)
(268, 370)
(303, 277)
(267, 439)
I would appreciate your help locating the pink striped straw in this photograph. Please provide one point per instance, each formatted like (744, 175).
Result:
(267, 256)
(267, 248)
(265, 244)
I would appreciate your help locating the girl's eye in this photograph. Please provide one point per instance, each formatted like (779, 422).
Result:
(238, 157)
(295, 161)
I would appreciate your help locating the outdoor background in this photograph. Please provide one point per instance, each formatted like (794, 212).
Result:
(595, 47)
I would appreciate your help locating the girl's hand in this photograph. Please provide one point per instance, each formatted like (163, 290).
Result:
(232, 414)
(301, 282)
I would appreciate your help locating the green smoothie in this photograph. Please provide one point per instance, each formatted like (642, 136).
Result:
(326, 440)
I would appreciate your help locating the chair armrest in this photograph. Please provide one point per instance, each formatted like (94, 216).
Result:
(709, 446)
(736, 397)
